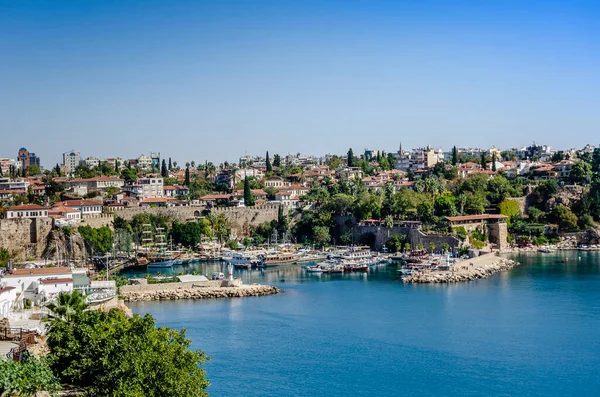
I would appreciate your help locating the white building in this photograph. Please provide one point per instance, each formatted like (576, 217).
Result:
(39, 284)
(97, 183)
(14, 184)
(61, 211)
(71, 160)
(276, 181)
(144, 162)
(85, 207)
(8, 296)
(27, 211)
(150, 187)
(92, 162)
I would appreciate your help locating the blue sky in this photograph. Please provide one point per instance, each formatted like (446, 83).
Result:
(213, 80)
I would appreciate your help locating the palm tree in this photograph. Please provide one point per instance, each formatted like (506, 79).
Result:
(67, 305)
(432, 246)
(389, 224)
(446, 247)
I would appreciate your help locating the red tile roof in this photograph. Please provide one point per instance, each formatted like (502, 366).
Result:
(56, 280)
(44, 271)
(27, 207)
(80, 203)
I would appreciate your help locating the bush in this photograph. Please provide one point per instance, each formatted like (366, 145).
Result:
(26, 378)
(461, 232)
(232, 244)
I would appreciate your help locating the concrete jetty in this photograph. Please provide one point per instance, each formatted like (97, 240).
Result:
(194, 290)
(466, 270)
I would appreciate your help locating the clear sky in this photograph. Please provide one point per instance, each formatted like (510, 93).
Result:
(200, 80)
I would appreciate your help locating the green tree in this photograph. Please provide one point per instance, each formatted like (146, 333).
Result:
(494, 162)
(56, 169)
(268, 161)
(4, 256)
(170, 164)
(164, 172)
(566, 220)
(431, 247)
(277, 160)
(321, 235)
(249, 198)
(109, 354)
(350, 158)
(483, 161)
(186, 181)
(581, 172)
(99, 239)
(282, 222)
(454, 156)
(396, 242)
(557, 156)
(509, 208)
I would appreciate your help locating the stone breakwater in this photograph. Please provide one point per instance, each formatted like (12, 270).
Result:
(196, 291)
(467, 270)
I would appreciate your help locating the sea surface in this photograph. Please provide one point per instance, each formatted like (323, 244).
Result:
(533, 331)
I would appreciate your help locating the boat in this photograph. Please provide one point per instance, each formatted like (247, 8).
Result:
(353, 266)
(99, 297)
(277, 259)
(314, 269)
(157, 258)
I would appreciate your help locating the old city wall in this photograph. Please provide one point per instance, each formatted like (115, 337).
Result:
(415, 237)
(241, 219)
(97, 221)
(25, 238)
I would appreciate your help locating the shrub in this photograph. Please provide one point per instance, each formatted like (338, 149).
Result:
(26, 378)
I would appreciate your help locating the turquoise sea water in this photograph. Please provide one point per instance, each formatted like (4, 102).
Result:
(533, 331)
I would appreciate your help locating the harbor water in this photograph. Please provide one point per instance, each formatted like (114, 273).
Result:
(531, 331)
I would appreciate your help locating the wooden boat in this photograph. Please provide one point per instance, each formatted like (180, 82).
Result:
(278, 259)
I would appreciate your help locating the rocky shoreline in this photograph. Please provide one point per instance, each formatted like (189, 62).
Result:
(468, 270)
(194, 291)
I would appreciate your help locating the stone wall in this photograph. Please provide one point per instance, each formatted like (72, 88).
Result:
(97, 221)
(241, 219)
(415, 237)
(25, 238)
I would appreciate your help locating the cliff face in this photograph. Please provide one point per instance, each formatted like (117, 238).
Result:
(566, 196)
(59, 244)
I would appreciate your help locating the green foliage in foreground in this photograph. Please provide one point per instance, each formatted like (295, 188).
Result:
(24, 379)
(108, 354)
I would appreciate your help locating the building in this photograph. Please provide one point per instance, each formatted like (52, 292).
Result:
(85, 207)
(27, 159)
(351, 173)
(71, 160)
(563, 168)
(99, 183)
(175, 190)
(150, 187)
(418, 159)
(276, 181)
(27, 211)
(38, 284)
(6, 164)
(8, 296)
(61, 211)
(14, 184)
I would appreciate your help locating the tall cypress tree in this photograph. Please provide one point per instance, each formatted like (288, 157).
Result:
(494, 162)
(483, 161)
(163, 170)
(187, 176)
(350, 160)
(170, 164)
(269, 166)
(248, 197)
(454, 156)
